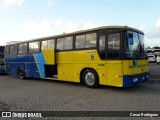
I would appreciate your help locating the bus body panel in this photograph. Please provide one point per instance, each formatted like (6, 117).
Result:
(40, 62)
(13, 63)
(89, 59)
(101, 69)
(65, 65)
(132, 67)
(135, 72)
(49, 56)
(115, 73)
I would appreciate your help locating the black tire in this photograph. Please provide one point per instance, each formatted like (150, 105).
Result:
(90, 78)
(21, 73)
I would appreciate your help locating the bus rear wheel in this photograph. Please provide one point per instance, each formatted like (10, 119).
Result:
(90, 78)
(21, 73)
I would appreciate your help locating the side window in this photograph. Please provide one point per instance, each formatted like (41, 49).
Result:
(11, 50)
(51, 43)
(24, 47)
(20, 48)
(114, 45)
(36, 47)
(68, 43)
(102, 43)
(31, 47)
(47, 44)
(86, 41)
(80, 41)
(91, 40)
(60, 43)
(44, 44)
(7, 50)
(15, 49)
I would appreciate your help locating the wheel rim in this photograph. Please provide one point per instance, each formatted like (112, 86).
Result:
(21, 74)
(90, 78)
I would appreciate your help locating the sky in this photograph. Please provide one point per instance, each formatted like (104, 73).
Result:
(22, 20)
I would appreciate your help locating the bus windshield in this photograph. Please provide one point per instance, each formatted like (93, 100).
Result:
(134, 45)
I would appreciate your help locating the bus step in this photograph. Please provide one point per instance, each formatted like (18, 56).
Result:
(55, 76)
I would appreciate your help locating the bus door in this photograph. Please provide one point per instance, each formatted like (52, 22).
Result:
(103, 77)
(114, 63)
(48, 52)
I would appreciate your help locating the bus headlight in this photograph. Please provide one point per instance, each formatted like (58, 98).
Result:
(147, 76)
(135, 79)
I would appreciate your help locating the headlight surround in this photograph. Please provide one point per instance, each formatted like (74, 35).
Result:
(135, 79)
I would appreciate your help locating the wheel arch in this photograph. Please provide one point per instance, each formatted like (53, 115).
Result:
(19, 68)
(83, 70)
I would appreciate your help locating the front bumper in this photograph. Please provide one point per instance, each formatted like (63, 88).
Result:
(131, 80)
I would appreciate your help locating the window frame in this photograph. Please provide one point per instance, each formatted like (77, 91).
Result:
(26, 48)
(33, 51)
(87, 48)
(120, 48)
(47, 46)
(111, 31)
(63, 37)
(10, 50)
(105, 46)
(52, 39)
(15, 46)
(21, 48)
(39, 46)
(76, 41)
(60, 38)
(30, 52)
(68, 45)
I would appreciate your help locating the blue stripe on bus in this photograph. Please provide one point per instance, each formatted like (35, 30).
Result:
(40, 61)
(26, 61)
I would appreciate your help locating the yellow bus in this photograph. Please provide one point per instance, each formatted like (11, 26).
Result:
(108, 55)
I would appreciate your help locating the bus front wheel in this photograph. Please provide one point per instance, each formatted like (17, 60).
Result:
(90, 78)
(21, 73)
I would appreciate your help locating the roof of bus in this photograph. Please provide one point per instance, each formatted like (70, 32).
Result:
(94, 29)
(82, 31)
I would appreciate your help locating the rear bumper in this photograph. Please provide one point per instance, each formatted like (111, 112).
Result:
(131, 80)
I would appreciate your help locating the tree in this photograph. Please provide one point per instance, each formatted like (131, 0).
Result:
(156, 47)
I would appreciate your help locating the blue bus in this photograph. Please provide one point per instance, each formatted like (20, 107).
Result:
(2, 67)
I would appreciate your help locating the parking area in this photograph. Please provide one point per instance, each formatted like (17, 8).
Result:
(154, 71)
(47, 95)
